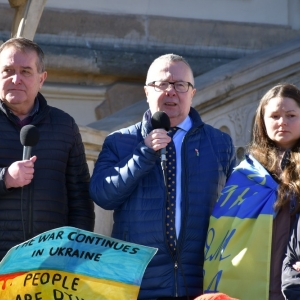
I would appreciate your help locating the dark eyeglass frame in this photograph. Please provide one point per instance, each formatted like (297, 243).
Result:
(157, 89)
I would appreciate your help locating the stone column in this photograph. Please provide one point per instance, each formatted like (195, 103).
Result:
(27, 17)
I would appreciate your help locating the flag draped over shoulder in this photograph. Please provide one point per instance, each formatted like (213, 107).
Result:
(70, 263)
(238, 245)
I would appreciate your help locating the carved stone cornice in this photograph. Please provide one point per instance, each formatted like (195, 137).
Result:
(248, 75)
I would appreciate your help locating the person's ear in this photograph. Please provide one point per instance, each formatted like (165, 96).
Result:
(43, 77)
(193, 93)
(146, 90)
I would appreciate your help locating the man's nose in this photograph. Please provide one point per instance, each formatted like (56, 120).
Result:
(16, 78)
(171, 89)
(171, 85)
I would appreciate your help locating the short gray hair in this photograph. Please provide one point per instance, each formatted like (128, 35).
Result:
(170, 58)
(25, 45)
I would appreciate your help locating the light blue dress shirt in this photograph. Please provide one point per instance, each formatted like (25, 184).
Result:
(183, 128)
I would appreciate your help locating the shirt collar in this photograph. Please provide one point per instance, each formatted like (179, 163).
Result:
(28, 119)
(186, 124)
(34, 110)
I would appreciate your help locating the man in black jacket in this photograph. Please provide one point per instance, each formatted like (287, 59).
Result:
(50, 189)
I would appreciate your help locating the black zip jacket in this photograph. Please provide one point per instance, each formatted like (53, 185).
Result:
(58, 194)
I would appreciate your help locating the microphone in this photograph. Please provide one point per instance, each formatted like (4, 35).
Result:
(29, 136)
(161, 120)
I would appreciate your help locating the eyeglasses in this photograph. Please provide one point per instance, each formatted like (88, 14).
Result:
(179, 86)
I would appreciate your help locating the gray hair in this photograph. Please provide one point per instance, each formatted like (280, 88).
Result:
(26, 45)
(170, 58)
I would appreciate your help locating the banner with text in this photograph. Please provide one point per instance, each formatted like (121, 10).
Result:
(238, 245)
(70, 263)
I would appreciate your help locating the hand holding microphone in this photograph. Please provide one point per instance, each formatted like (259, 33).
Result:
(158, 138)
(20, 173)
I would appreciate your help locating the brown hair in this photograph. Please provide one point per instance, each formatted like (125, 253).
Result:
(26, 45)
(266, 152)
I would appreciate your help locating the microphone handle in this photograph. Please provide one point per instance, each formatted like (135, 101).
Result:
(26, 152)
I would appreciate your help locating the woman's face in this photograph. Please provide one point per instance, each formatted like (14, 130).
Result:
(282, 121)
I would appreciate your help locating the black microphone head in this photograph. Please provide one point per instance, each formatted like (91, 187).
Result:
(29, 135)
(161, 120)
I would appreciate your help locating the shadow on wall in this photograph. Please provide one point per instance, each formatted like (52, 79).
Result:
(119, 96)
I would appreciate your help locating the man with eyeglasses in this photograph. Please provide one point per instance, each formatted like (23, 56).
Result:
(128, 179)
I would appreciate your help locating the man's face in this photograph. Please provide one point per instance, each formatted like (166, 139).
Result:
(176, 105)
(19, 78)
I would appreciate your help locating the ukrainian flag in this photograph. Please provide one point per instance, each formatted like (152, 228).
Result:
(238, 245)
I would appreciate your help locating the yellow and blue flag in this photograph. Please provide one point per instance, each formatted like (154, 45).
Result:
(238, 245)
(70, 263)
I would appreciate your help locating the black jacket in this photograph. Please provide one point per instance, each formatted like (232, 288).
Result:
(58, 195)
(290, 277)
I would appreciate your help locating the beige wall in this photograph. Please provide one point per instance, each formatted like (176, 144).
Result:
(79, 101)
(93, 140)
(97, 62)
(278, 12)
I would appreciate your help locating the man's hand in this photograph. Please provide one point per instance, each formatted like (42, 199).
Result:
(19, 173)
(157, 139)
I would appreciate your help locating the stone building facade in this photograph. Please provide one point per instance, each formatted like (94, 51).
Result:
(98, 52)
